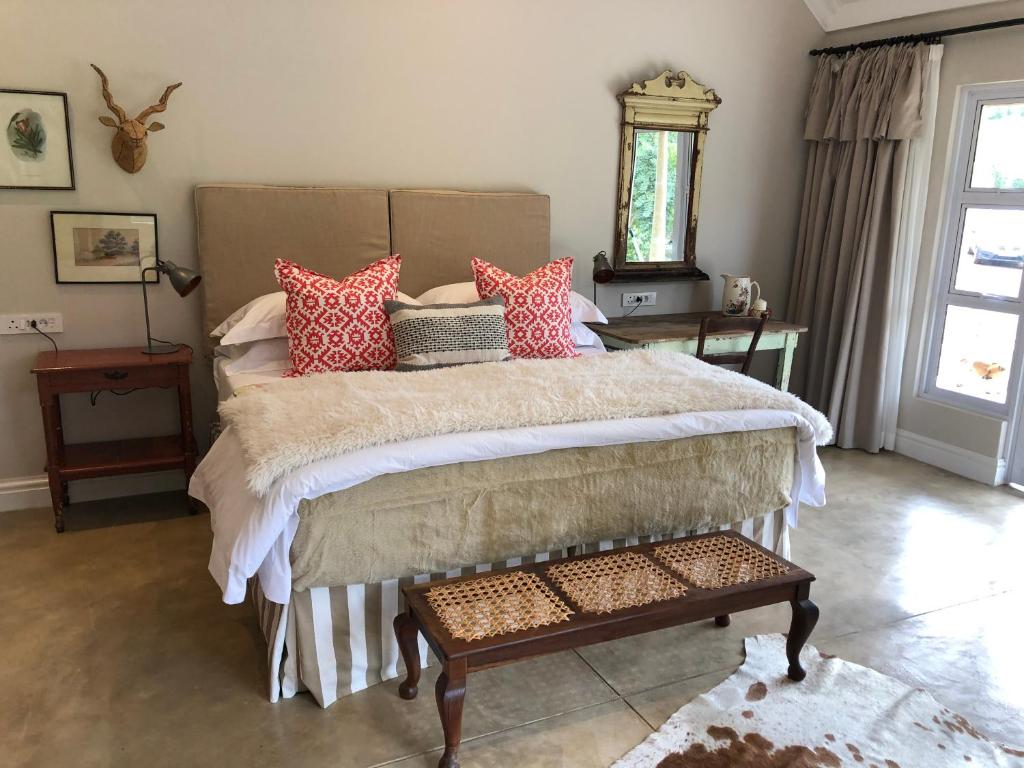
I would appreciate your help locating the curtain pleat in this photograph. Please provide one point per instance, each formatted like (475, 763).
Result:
(868, 94)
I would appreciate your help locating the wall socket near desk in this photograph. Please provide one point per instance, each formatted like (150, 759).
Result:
(642, 299)
(47, 322)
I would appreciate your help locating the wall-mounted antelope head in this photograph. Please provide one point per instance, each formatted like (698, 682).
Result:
(129, 145)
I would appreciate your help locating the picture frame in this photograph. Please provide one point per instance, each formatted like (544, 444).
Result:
(36, 151)
(96, 247)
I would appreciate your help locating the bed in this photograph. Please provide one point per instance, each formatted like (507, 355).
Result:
(324, 554)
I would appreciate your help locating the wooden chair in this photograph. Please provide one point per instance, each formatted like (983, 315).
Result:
(711, 325)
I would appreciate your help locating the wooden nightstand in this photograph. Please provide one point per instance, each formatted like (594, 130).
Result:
(679, 332)
(95, 370)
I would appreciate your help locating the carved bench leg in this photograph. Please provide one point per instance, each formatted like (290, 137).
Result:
(723, 621)
(450, 692)
(405, 632)
(805, 616)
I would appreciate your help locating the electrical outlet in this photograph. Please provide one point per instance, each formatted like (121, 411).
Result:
(634, 299)
(48, 322)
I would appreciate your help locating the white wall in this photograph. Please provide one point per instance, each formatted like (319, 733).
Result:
(469, 94)
(974, 58)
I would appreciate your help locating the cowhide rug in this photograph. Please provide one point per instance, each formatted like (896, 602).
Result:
(841, 714)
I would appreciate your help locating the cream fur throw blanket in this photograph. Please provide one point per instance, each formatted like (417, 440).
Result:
(288, 424)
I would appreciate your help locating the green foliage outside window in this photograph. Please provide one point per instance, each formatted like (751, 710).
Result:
(641, 214)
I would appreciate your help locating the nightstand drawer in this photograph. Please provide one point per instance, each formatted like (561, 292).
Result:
(113, 378)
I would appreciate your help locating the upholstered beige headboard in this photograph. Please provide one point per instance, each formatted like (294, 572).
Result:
(439, 232)
(243, 228)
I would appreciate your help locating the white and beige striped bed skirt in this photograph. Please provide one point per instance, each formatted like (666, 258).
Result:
(334, 641)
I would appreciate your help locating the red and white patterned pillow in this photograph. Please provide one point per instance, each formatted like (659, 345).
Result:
(537, 310)
(339, 325)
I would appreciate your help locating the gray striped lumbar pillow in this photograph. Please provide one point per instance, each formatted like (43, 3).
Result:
(439, 335)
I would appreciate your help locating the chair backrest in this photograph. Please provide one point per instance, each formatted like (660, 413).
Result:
(712, 325)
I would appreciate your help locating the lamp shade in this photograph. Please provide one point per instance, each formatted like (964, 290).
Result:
(603, 271)
(183, 279)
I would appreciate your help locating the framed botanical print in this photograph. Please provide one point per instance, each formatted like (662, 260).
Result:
(93, 247)
(36, 152)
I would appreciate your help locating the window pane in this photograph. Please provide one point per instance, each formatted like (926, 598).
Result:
(999, 158)
(977, 349)
(991, 252)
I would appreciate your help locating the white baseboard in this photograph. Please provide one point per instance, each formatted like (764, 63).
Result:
(24, 493)
(975, 466)
(34, 491)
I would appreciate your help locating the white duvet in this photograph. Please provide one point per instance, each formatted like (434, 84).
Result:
(253, 535)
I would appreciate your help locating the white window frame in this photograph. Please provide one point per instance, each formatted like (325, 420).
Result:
(958, 198)
(684, 171)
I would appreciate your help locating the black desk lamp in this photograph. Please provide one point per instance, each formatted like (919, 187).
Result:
(184, 281)
(603, 271)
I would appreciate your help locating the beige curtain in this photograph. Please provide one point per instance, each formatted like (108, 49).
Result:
(865, 108)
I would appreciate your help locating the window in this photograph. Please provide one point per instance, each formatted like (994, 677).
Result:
(977, 332)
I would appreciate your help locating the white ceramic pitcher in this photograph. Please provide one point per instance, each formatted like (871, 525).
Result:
(736, 299)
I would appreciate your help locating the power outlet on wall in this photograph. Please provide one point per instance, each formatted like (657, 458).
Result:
(48, 322)
(642, 299)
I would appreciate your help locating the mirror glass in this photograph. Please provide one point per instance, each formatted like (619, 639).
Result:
(659, 205)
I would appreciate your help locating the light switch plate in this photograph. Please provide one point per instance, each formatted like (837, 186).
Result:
(645, 299)
(47, 322)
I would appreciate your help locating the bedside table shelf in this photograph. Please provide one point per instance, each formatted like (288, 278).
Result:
(122, 457)
(104, 370)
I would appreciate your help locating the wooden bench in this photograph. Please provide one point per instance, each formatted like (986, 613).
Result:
(492, 618)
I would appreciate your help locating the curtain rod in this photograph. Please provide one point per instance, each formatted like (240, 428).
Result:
(926, 37)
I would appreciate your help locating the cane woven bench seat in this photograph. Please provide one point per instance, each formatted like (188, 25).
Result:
(713, 562)
(613, 582)
(496, 605)
(483, 620)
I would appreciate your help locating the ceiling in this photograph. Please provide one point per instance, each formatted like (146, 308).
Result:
(841, 14)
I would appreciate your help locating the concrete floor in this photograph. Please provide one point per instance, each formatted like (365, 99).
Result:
(118, 652)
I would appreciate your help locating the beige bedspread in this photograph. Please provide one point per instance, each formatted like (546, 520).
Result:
(438, 518)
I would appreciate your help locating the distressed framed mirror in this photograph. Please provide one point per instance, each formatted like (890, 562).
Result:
(664, 125)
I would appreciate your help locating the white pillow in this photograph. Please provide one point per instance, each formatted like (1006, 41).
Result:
(455, 293)
(264, 318)
(255, 356)
(583, 309)
(584, 337)
(261, 318)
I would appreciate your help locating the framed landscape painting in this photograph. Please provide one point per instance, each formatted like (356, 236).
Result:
(103, 247)
(36, 151)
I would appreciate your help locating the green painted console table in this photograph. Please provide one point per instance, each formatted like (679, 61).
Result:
(678, 333)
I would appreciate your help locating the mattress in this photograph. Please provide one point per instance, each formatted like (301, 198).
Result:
(253, 534)
(437, 518)
(431, 501)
